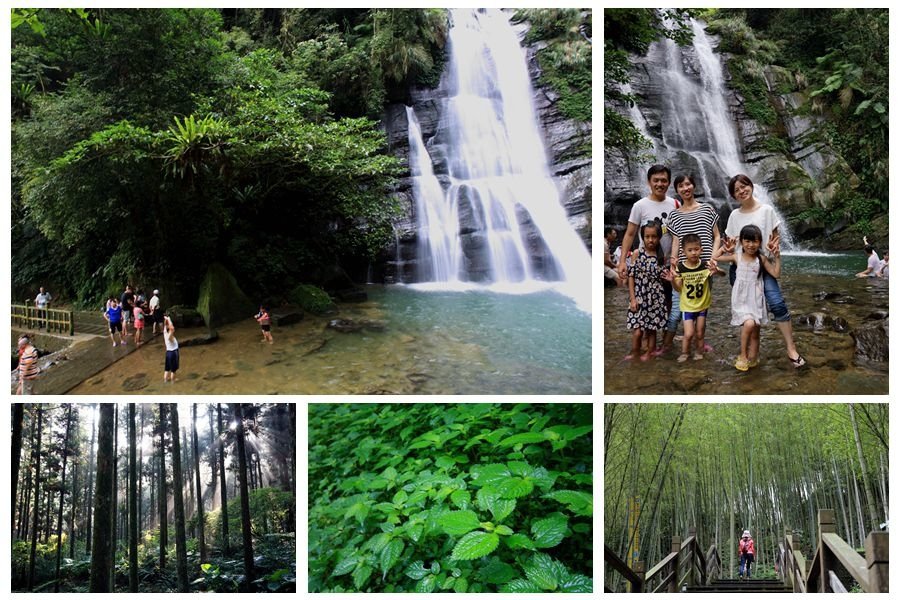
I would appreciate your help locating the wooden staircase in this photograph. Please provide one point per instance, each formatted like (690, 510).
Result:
(688, 569)
(736, 586)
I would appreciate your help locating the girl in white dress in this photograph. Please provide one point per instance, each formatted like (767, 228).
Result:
(748, 300)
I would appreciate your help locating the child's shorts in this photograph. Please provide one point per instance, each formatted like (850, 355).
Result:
(693, 316)
(265, 327)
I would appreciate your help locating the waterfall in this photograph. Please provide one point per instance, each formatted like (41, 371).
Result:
(684, 92)
(488, 209)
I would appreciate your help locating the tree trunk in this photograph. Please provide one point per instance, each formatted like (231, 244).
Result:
(178, 488)
(115, 501)
(18, 418)
(161, 497)
(245, 498)
(72, 507)
(37, 496)
(201, 529)
(90, 498)
(62, 497)
(140, 475)
(132, 502)
(864, 474)
(224, 489)
(101, 557)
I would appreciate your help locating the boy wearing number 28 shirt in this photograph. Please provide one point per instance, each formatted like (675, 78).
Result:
(692, 280)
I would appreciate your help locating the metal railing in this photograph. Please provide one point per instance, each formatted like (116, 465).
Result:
(52, 320)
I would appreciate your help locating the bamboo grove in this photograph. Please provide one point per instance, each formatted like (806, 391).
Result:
(723, 468)
(153, 497)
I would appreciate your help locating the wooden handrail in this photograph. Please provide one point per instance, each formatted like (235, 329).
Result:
(53, 319)
(619, 566)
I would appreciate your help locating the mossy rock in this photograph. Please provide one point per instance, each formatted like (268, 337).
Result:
(221, 301)
(184, 316)
(312, 299)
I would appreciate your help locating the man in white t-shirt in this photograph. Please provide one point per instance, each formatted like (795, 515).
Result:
(656, 206)
(873, 263)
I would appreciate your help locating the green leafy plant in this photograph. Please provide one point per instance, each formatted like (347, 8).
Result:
(469, 498)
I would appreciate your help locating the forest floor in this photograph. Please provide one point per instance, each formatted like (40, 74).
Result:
(274, 564)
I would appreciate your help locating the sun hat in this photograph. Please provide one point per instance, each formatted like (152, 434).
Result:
(156, 291)
(746, 533)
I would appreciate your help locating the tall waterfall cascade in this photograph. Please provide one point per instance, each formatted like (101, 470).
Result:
(488, 209)
(683, 104)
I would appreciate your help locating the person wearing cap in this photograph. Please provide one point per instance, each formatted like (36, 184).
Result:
(155, 313)
(747, 554)
(28, 367)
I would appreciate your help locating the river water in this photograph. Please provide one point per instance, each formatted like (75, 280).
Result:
(832, 366)
(418, 342)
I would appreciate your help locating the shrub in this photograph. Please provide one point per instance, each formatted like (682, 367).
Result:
(469, 498)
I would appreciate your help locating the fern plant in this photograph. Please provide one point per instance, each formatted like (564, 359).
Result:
(464, 498)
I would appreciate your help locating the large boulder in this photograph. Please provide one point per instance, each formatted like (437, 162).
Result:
(221, 300)
(872, 340)
(312, 299)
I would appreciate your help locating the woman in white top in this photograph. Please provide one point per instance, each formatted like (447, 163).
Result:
(752, 212)
(171, 349)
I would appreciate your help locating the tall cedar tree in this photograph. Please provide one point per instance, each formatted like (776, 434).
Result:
(101, 557)
(115, 501)
(18, 417)
(62, 497)
(245, 498)
(161, 496)
(178, 485)
(90, 498)
(36, 461)
(224, 503)
(201, 530)
(132, 503)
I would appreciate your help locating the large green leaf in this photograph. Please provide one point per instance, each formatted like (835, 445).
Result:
(540, 571)
(416, 570)
(549, 532)
(389, 555)
(426, 586)
(484, 475)
(576, 584)
(361, 575)
(521, 586)
(519, 468)
(475, 545)
(461, 499)
(523, 438)
(580, 503)
(345, 565)
(515, 487)
(496, 572)
(458, 522)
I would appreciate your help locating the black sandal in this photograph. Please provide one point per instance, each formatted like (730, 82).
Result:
(797, 362)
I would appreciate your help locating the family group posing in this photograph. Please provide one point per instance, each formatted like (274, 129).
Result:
(670, 275)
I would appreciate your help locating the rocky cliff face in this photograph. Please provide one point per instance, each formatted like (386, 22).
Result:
(792, 162)
(568, 148)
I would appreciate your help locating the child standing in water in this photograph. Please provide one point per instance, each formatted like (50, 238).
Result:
(748, 301)
(647, 310)
(265, 323)
(692, 280)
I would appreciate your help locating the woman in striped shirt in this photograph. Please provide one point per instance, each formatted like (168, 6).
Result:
(690, 217)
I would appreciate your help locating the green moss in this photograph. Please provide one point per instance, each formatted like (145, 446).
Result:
(221, 300)
(312, 299)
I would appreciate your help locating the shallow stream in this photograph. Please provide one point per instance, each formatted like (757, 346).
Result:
(417, 342)
(832, 365)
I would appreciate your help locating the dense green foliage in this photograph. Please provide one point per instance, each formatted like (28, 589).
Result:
(148, 143)
(466, 497)
(837, 59)
(566, 60)
(723, 468)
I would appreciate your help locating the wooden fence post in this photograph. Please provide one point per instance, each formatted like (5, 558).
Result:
(639, 571)
(676, 547)
(692, 533)
(877, 562)
(788, 566)
(826, 525)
